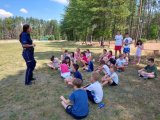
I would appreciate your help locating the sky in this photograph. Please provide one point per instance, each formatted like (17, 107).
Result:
(41, 9)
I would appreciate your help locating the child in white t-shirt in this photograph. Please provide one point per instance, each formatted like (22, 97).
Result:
(88, 54)
(112, 80)
(103, 68)
(94, 90)
(120, 63)
(126, 44)
(54, 63)
(118, 43)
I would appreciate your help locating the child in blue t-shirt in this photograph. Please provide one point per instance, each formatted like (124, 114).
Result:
(76, 74)
(77, 104)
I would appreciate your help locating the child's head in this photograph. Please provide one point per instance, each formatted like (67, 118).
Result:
(102, 62)
(67, 59)
(65, 51)
(110, 52)
(121, 56)
(87, 50)
(64, 62)
(94, 76)
(118, 32)
(113, 69)
(52, 58)
(150, 61)
(77, 83)
(104, 51)
(78, 50)
(75, 67)
(139, 42)
(72, 54)
(126, 34)
(83, 54)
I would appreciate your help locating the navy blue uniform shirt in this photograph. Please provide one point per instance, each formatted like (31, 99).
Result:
(25, 38)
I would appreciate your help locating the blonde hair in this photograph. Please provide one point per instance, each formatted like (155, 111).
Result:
(95, 75)
(77, 82)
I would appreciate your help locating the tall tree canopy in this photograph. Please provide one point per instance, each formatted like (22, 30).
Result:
(103, 18)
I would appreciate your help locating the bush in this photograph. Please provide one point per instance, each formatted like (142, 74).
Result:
(143, 40)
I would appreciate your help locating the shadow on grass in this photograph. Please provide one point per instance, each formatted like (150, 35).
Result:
(132, 99)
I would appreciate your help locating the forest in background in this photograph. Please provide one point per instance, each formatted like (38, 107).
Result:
(101, 19)
(92, 20)
(11, 27)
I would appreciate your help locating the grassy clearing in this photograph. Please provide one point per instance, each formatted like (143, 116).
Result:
(133, 99)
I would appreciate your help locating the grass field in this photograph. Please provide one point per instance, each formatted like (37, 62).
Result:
(133, 99)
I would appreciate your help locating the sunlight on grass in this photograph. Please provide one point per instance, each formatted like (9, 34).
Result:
(133, 99)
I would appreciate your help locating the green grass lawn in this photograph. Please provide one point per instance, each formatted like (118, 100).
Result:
(133, 99)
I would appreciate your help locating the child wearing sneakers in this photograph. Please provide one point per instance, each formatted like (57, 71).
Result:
(112, 80)
(77, 104)
(94, 90)
(126, 44)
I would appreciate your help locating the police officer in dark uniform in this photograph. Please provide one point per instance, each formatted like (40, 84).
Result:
(28, 53)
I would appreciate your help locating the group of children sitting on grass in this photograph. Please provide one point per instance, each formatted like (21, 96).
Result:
(77, 104)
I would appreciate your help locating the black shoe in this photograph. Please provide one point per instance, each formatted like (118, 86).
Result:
(33, 79)
(29, 84)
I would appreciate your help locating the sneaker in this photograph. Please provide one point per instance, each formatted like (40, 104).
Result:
(101, 105)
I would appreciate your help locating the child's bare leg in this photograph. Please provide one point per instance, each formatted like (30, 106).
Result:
(150, 75)
(106, 81)
(61, 57)
(115, 53)
(64, 104)
(103, 79)
(138, 59)
(120, 52)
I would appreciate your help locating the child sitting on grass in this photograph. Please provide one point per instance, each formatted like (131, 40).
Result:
(69, 63)
(65, 73)
(54, 63)
(112, 80)
(103, 55)
(84, 60)
(150, 71)
(77, 55)
(88, 54)
(72, 57)
(120, 63)
(77, 104)
(65, 54)
(103, 68)
(76, 75)
(94, 90)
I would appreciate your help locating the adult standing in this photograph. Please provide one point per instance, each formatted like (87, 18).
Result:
(28, 53)
(118, 43)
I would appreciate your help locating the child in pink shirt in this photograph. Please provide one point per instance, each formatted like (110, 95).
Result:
(77, 54)
(84, 59)
(65, 73)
